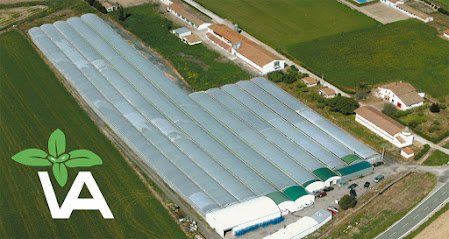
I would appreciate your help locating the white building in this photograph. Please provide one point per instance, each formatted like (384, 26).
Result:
(327, 92)
(384, 126)
(192, 39)
(189, 15)
(401, 94)
(407, 153)
(109, 6)
(246, 50)
(400, 6)
(310, 81)
(446, 33)
(182, 32)
(166, 2)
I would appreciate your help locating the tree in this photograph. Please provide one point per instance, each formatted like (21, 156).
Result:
(293, 68)
(290, 77)
(389, 109)
(343, 105)
(347, 202)
(275, 76)
(364, 87)
(434, 108)
(361, 95)
(91, 2)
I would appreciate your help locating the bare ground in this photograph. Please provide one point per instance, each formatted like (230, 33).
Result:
(129, 3)
(12, 15)
(437, 229)
(15, 1)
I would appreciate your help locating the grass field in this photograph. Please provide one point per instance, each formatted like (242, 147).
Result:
(33, 103)
(407, 50)
(382, 212)
(285, 22)
(437, 158)
(201, 68)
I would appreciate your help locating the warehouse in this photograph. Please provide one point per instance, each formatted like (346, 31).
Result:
(236, 173)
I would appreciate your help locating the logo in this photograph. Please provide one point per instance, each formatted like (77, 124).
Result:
(59, 161)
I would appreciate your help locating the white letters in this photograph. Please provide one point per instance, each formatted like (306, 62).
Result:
(72, 202)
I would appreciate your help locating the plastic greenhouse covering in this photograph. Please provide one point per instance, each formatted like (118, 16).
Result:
(344, 138)
(216, 148)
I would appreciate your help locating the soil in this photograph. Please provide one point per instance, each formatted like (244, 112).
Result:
(437, 229)
(129, 3)
(12, 15)
(15, 1)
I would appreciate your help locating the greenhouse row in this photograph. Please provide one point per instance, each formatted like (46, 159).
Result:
(246, 144)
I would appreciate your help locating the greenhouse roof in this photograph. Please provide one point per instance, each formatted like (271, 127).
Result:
(295, 192)
(350, 158)
(278, 197)
(354, 168)
(324, 173)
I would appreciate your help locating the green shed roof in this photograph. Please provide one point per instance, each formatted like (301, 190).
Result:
(278, 197)
(324, 173)
(354, 168)
(350, 158)
(295, 192)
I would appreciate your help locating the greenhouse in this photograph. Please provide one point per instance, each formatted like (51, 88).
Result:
(237, 161)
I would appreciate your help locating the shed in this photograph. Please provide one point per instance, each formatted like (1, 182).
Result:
(407, 152)
(355, 170)
(182, 32)
(192, 39)
(327, 92)
(310, 81)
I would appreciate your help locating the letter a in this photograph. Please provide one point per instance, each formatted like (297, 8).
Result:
(72, 202)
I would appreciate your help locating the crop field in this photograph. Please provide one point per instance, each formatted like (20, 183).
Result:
(201, 68)
(408, 50)
(285, 22)
(33, 103)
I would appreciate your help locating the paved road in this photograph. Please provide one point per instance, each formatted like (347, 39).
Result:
(418, 215)
(436, 146)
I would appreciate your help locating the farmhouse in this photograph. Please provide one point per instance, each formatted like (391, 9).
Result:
(189, 15)
(446, 33)
(401, 94)
(110, 6)
(327, 92)
(246, 50)
(310, 81)
(399, 5)
(407, 152)
(384, 126)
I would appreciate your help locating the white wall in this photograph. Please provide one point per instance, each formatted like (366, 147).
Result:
(395, 100)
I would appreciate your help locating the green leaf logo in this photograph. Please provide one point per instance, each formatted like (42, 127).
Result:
(57, 158)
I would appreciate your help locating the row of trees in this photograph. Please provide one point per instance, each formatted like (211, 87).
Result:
(291, 75)
(339, 103)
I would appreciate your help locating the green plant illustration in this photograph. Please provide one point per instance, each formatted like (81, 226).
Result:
(57, 158)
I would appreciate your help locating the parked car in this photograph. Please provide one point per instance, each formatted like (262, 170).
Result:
(332, 209)
(378, 178)
(376, 164)
(342, 183)
(328, 189)
(320, 195)
(353, 193)
(366, 185)
(352, 186)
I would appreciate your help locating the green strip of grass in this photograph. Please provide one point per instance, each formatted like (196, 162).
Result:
(201, 68)
(428, 222)
(33, 103)
(407, 50)
(437, 158)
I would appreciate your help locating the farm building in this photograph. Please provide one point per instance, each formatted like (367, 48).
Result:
(110, 6)
(327, 92)
(246, 50)
(243, 155)
(310, 81)
(401, 94)
(412, 12)
(189, 15)
(192, 39)
(384, 126)
(446, 33)
(407, 153)
(182, 32)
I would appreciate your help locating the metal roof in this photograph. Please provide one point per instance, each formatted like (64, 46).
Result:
(324, 173)
(354, 168)
(278, 197)
(295, 192)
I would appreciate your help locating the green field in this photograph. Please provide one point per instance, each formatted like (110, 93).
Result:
(408, 50)
(437, 158)
(285, 22)
(201, 68)
(33, 103)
